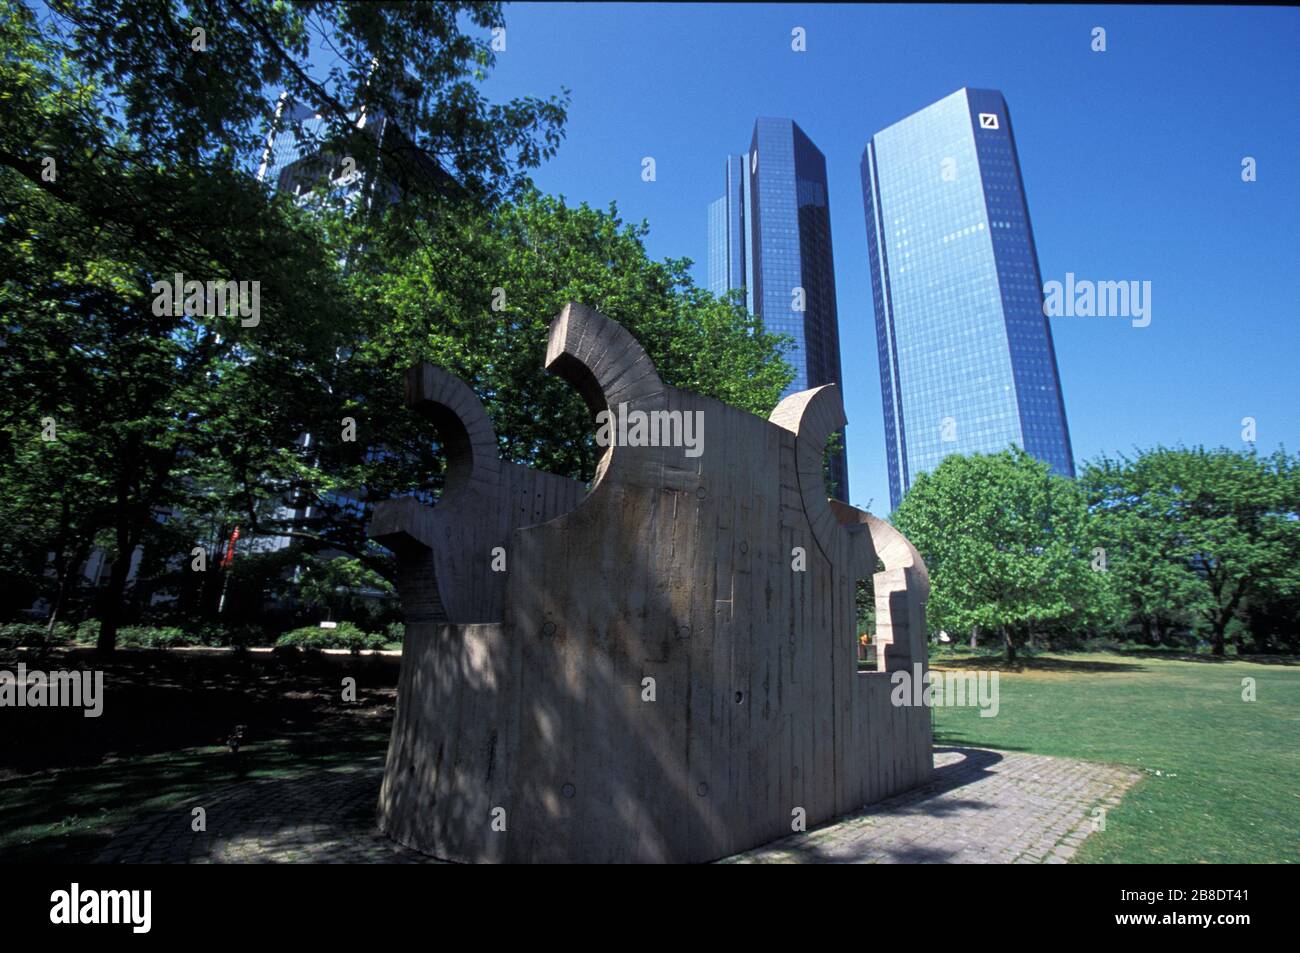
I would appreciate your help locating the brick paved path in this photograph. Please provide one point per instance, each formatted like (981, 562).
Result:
(326, 818)
(982, 807)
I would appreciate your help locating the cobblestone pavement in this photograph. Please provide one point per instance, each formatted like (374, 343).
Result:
(982, 807)
(325, 818)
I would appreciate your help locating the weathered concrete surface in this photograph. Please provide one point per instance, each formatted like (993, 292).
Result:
(727, 578)
(901, 590)
(445, 554)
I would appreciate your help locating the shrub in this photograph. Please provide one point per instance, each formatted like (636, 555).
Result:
(395, 632)
(234, 636)
(30, 635)
(153, 637)
(344, 636)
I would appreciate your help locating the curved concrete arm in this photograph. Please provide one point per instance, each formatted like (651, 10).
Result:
(465, 433)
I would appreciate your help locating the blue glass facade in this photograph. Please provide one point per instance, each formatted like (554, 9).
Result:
(719, 284)
(776, 215)
(727, 232)
(290, 146)
(295, 162)
(967, 363)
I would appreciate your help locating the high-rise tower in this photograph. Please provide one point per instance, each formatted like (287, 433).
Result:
(966, 357)
(770, 234)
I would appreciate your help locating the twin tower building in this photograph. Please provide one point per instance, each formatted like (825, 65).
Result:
(966, 357)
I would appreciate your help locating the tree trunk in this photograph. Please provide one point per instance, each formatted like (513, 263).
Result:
(61, 569)
(1010, 644)
(111, 604)
(132, 514)
(1216, 639)
(68, 572)
(974, 636)
(128, 537)
(59, 595)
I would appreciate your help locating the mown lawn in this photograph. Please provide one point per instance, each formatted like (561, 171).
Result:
(1221, 776)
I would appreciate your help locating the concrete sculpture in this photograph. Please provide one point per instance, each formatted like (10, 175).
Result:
(660, 668)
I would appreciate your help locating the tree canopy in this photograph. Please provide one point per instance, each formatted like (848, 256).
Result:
(1005, 543)
(1198, 534)
(130, 137)
(1168, 541)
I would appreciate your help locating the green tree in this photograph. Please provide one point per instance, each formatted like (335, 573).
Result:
(1005, 542)
(343, 586)
(1151, 591)
(128, 143)
(475, 292)
(159, 411)
(1204, 529)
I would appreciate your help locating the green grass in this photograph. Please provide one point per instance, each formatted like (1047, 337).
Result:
(1220, 776)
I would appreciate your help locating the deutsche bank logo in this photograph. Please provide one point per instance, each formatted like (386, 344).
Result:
(988, 120)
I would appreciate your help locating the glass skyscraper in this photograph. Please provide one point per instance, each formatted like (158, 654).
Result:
(727, 232)
(770, 234)
(966, 357)
(295, 162)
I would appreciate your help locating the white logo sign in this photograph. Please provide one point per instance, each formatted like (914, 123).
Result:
(132, 907)
(988, 120)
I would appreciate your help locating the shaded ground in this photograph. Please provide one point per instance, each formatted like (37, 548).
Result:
(323, 818)
(158, 700)
(1221, 775)
(68, 783)
(1096, 662)
(983, 807)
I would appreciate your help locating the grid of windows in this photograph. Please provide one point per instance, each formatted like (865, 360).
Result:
(778, 248)
(778, 261)
(1033, 356)
(719, 279)
(966, 357)
(727, 232)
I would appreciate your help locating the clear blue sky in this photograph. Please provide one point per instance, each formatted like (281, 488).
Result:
(1131, 160)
